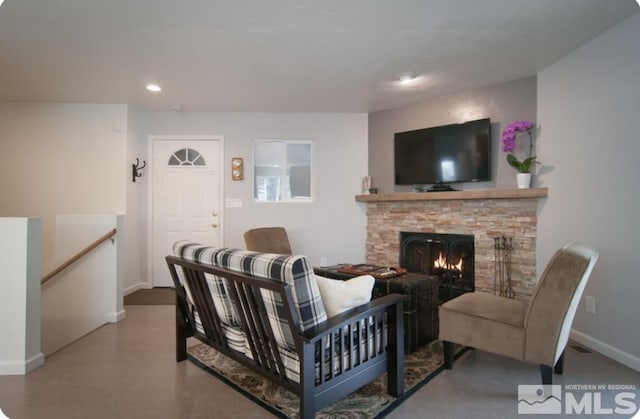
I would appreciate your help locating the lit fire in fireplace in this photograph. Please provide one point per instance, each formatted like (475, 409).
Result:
(441, 263)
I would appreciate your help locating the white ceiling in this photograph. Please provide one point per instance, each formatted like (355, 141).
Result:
(283, 55)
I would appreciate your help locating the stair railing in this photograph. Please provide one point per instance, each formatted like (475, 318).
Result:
(79, 255)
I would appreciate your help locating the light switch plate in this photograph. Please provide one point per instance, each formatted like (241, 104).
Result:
(233, 202)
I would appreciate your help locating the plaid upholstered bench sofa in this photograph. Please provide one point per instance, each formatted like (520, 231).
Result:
(266, 312)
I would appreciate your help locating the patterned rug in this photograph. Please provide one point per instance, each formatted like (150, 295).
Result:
(370, 401)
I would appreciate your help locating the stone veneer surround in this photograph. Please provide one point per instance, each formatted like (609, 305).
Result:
(485, 214)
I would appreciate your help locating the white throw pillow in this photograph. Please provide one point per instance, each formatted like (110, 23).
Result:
(338, 295)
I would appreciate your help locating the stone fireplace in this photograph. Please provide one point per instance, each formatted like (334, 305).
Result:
(450, 257)
(483, 214)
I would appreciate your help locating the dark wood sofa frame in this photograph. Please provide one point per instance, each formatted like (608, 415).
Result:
(314, 390)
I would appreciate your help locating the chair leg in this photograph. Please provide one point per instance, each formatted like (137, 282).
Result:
(181, 333)
(447, 348)
(559, 367)
(395, 369)
(307, 380)
(546, 372)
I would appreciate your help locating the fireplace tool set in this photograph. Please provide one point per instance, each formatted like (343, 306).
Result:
(502, 279)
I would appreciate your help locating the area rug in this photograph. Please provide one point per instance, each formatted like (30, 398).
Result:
(151, 297)
(370, 401)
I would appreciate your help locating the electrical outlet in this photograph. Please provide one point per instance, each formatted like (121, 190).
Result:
(590, 304)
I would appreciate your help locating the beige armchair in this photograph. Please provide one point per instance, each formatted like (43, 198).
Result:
(268, 240)
(536, 331)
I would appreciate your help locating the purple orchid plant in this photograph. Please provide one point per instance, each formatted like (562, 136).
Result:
(509, 135)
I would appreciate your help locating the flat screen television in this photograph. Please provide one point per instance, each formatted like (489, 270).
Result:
(444, 154)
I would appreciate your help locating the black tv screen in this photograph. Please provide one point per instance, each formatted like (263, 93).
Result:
(444, 154)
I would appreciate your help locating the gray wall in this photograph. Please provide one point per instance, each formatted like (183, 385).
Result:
(135, 222)
(588, 110)
(55, 156)
(332, 227)
(503, 103)
(78, 158)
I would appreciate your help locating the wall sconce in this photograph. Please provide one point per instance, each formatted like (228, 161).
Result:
(237, 168)
(137, 169)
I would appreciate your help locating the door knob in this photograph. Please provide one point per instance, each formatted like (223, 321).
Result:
(214, 214)
(214, 225)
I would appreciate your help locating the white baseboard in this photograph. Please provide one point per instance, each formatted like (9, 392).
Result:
(136, 287)
(117, 316)
(22, 368)
(605, 349)
(35, 361)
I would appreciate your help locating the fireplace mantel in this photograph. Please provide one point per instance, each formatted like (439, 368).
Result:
(457, 195)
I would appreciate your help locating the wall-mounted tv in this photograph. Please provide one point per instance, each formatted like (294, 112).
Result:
(444, 154)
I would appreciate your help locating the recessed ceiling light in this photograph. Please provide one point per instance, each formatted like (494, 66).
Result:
(407, 79)
(153, 88)
(1, 2)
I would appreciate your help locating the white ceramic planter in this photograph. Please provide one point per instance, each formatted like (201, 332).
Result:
(524, 180)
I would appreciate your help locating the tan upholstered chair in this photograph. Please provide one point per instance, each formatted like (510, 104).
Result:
(268, 240)
(535, 332)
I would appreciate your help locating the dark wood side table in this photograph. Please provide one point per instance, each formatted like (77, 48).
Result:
(420, 308)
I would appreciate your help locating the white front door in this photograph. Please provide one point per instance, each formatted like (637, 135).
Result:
(186, 198)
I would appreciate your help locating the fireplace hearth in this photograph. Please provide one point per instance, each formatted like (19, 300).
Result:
(450, 257)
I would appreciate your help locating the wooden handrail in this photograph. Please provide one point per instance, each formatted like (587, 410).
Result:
(78, 256)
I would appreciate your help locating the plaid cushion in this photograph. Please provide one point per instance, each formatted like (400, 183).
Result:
(349, 358)
(206, 255)
(289, 359)
(195, 252)
(293, 270)
(235, 336)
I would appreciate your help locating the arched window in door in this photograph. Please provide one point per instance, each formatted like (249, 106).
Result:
(186, 157)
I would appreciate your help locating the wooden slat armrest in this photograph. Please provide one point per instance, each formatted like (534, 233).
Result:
(355, 314)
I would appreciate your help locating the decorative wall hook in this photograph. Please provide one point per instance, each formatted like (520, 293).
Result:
(137, 169)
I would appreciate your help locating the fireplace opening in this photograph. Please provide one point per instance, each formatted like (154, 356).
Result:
(450, 257)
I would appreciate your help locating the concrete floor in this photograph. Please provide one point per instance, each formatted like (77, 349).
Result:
(128, 370)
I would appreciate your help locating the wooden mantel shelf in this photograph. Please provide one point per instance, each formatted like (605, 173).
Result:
(457, 195)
